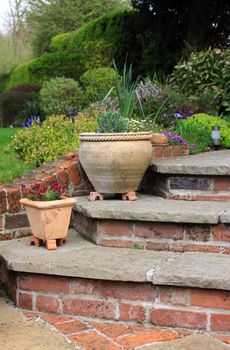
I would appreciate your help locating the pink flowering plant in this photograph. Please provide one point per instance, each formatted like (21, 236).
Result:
(43, 192)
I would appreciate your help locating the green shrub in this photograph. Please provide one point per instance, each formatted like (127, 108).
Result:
(55, 137)
(197, 130)
(196, 135)
(59, 94)
(22, 75)
(206, 73)
(14, 101)
(97, 83)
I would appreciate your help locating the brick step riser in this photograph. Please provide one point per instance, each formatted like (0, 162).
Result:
(143, 303)
(187, 187)
(176, 237)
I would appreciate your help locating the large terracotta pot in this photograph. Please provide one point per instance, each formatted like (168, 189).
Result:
(116, 162)
(49, 220)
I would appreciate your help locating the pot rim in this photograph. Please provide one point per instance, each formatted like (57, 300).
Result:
(63, 202)
(120, 136)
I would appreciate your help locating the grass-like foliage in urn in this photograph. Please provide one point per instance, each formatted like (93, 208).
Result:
(113, 122)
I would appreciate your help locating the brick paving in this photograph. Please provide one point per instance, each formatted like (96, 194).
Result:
(87, 334)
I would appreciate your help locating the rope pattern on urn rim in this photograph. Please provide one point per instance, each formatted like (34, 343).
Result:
(114, 137)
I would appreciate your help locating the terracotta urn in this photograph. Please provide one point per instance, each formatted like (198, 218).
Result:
(115, 162)
(49, 220)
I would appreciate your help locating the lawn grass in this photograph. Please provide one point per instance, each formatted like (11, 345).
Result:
(10, 166)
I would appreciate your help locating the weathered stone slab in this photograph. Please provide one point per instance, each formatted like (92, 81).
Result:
(153, 208)
(195, 270)
(208, 163)
(80, 258)
(225, 217)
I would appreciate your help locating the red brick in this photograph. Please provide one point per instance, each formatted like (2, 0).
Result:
(178, 318)
(149, 336)
(74, 326)
(115, 228)
(161, 230)
(44, 283)
(63, 178)
(177, 151)
(158, 151)
(220, 322)
(226, 250)
(221, 233)
(83, 223)
(47, 303)
(74, 174)
(198, 232)
(116, 243)
(25, 301)
(157, 246)
(223, 338)
(167, 151)
(176, 247)
(50, 179)
(174, 296)
(132, 313)
(128, 290)
(221, 184)
(93, 341)
(13, 196)
(115, 330)
(185, 150)
(210, 299)
(90, 308)
(201, 248)
(84, 286)
(2, 201)
(55, 319)
(16, 221)
(219, 198)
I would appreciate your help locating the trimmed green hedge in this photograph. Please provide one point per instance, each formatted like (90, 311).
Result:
(120, 34)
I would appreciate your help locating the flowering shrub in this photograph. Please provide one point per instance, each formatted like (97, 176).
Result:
(56, 136)
(42, 192)
(174, 139)
(148, 91)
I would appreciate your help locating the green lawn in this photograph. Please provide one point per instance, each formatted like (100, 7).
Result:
(10, 166)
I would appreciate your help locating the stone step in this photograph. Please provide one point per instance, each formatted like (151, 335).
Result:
(155, 223)
(205, 176)
(189, 290)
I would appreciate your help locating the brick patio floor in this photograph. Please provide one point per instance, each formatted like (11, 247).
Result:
(90, 335)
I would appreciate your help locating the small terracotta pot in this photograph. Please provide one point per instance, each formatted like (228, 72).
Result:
(49, 220)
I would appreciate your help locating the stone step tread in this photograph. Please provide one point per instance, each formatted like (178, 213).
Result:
(208, 163)
(80, 258)
(156, 209)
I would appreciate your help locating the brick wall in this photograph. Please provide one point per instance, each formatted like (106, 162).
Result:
(187, 187)
(67, 170)
(190, 308)
(167, 151)
(176, 237)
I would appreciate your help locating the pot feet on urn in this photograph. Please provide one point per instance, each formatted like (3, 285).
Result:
(93, 196)
(130, 196)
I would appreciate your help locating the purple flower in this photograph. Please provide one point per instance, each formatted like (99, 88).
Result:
(193, 145)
